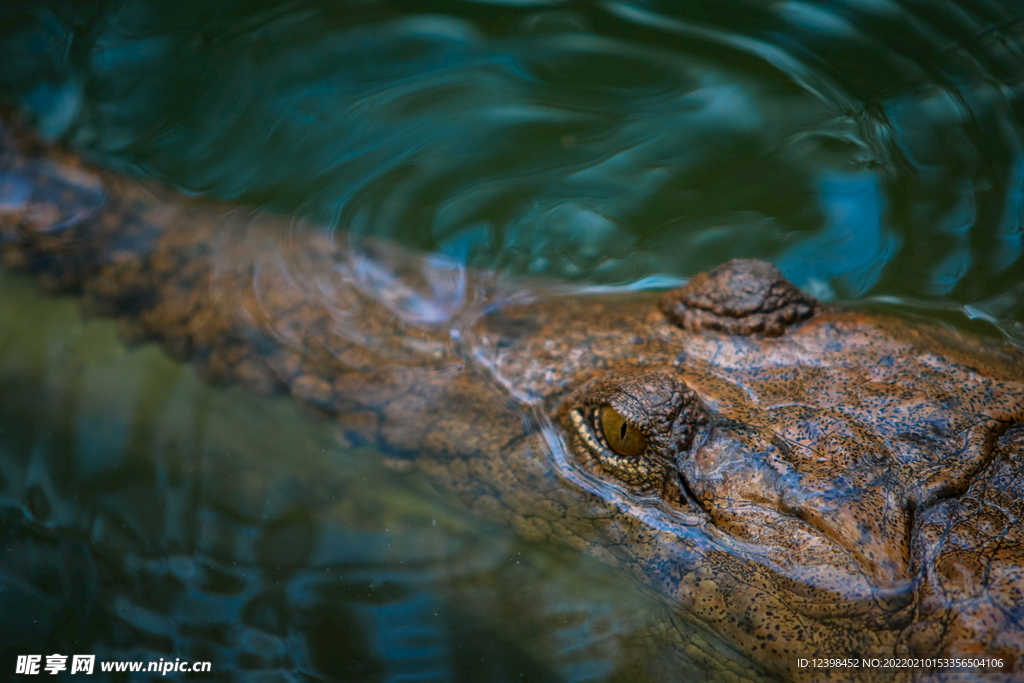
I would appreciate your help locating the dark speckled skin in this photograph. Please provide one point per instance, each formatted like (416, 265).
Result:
(839, 459)
(818, 482)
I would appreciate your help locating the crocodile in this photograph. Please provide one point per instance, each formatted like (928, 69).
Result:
(803, 480)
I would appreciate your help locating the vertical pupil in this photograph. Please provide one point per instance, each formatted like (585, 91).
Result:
(619, 434)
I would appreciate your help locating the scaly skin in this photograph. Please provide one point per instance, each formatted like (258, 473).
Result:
(815, 481)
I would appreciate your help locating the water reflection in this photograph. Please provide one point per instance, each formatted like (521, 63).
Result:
(601, 142)
(146, 515)
(854, 246)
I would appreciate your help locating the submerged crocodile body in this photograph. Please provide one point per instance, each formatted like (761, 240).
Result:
(803, 480)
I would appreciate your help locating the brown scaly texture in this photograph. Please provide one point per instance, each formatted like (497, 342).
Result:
(742, 296)
(817, 481)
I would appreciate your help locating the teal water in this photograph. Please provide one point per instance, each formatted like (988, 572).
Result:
(873, 151)
(869, 150)
(146, 515)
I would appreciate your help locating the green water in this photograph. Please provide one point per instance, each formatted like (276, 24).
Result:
(146, 515)
(875, 153)
(869, 151)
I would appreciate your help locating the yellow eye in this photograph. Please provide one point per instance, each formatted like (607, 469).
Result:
(621, 437)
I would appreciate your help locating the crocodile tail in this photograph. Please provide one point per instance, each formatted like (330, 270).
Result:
(265, 301)
(49, 203)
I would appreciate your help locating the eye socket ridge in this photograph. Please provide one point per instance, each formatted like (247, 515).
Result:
(642, 470)
(653, 404)
(635, 424)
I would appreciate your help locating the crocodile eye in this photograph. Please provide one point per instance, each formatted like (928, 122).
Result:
(634, 426)
(620, 435)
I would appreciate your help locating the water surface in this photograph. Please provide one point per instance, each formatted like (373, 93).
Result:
(873, 151)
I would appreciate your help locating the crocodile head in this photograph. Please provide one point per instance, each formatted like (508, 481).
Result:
(803, 479)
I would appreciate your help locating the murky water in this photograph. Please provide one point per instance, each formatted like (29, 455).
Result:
(146, 515)
(874, 151)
